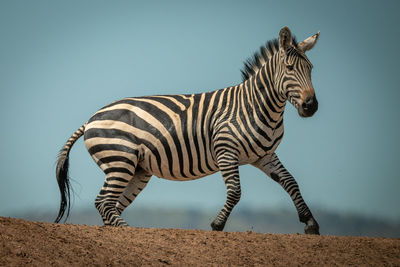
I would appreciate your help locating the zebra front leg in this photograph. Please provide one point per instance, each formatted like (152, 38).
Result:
(230, 173)
(132, 190)
(272, 166)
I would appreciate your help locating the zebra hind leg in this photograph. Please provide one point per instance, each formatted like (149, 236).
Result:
(107, 199)
(120, 169)
(134, 187)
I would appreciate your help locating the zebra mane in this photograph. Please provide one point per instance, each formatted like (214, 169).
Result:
(254, 63)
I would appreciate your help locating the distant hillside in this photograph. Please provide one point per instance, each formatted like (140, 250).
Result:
(278, 221)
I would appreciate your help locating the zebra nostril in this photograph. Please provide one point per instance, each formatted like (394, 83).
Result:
(305, 105)
(308, 103)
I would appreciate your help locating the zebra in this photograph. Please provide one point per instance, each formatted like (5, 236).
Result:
(186, 137)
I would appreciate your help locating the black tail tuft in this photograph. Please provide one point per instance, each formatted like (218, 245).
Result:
(64, 185)
(62, 174)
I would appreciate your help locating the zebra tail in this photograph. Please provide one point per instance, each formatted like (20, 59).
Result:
(62, 174)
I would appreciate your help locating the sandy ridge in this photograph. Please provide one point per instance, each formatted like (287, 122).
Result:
(45, 244)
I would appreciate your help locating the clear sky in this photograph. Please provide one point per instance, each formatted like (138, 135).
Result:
(60, 61)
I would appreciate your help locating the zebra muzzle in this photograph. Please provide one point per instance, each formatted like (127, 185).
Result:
(309, 106)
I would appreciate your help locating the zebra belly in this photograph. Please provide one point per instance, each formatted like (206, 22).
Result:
(166, 168)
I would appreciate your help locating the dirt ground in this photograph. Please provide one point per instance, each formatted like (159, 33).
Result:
(44, 244)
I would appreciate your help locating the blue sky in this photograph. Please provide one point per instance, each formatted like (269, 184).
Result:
(60, 61)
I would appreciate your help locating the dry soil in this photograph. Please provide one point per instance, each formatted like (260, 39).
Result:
(45, 244)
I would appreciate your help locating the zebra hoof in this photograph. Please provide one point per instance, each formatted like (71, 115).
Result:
(217, 227)
(117, 223)
(312, 227)
(311, 230)
(121, 223)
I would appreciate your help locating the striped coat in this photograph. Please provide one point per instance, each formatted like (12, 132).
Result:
(185, 137)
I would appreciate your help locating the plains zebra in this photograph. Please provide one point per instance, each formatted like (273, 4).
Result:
(185, 137)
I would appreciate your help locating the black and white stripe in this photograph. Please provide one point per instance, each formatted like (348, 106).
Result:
(185, 137)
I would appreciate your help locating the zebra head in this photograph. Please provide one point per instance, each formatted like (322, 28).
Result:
(293, 75)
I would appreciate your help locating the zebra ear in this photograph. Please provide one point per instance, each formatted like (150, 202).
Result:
(285, 38)
(308, 43)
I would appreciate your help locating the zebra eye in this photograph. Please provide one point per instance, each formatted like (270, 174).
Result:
(289, 67)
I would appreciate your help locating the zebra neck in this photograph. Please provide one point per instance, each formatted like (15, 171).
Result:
(267, 102)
